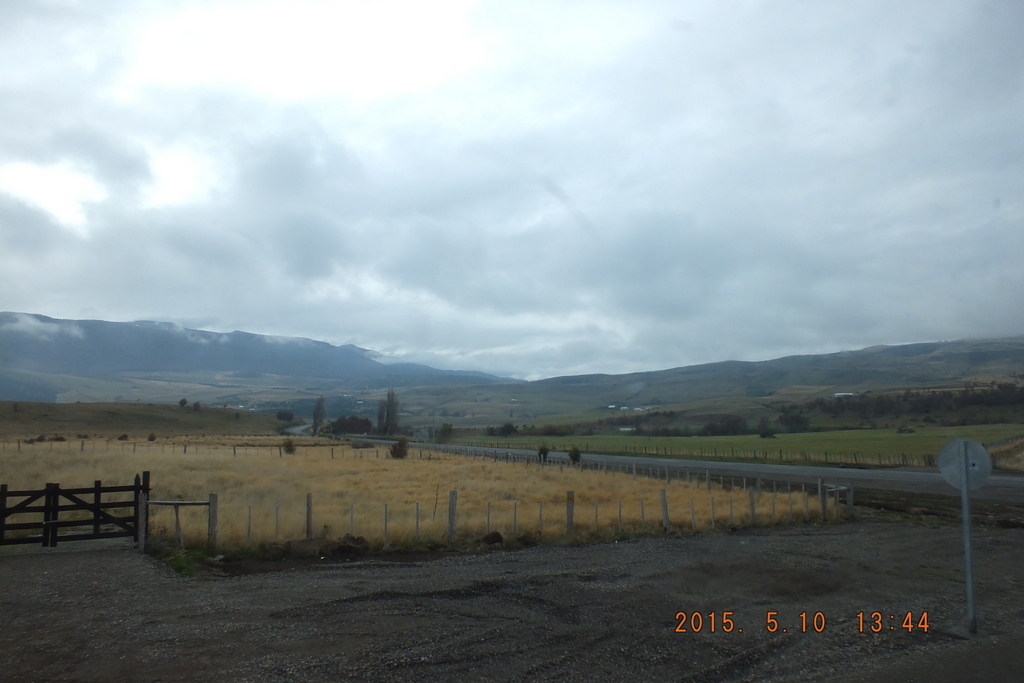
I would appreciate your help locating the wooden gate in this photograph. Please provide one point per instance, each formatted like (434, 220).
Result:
(53, 500)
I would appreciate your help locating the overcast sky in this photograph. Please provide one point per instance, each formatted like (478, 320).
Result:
(525, 188)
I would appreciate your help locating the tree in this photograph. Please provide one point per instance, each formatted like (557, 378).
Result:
(285, 415)
(542, 453)
(352, 425)
(764, 428)
(445, 433)
(392, 412)
(507, 429)
(794, 422)
(400, 449)
(183, 402)
(196, 406)
(574, 455)
(382, 417)
(319, 414)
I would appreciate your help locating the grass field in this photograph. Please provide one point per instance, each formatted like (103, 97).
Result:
(25, 420)
(841, 446)
(354, 485)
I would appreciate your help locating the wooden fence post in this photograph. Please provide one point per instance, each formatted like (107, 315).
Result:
(211, 530)
(453, 497)
(3, 510)
(664, 510)
(97, 498)
(177, 528)
(570, 504)
(143, 520)
(309, 515)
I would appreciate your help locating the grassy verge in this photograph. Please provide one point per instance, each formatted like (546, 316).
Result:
(878, 447)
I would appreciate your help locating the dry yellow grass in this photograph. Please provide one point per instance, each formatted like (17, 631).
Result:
(350, 490)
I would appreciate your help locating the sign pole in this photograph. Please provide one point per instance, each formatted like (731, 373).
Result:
(965, 510)
(966, 465)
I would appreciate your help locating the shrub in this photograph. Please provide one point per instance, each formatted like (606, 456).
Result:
(400, 449)
(196, 406)
(123, 437)
(151, 437)
(289, 446)
(574, 455)
(542, 453)
(183, 402)
(285, 415)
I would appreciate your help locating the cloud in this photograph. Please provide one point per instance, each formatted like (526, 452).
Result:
(527, 190)
(34, 327)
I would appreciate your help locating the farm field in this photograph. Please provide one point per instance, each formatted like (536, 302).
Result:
(350, 488)
(25, 420)
(841, 446)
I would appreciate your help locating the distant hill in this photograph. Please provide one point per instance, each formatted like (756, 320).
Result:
(745, 384)
(45, 359)
(874, 368)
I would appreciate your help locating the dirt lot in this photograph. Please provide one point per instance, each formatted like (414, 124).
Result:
(583, 613)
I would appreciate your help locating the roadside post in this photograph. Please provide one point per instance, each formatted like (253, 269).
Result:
(966, 465)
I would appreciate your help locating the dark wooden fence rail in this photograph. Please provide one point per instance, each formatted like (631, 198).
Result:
(53, 500)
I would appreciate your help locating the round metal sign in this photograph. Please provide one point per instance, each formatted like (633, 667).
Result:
(979, 464)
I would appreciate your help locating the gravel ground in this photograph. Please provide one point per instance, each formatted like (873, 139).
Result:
(88, 612)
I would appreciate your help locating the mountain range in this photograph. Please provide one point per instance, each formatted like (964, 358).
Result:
(48, 359)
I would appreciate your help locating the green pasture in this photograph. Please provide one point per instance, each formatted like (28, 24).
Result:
(855, 445)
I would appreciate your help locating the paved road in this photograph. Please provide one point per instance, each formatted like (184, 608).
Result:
(918, 479)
